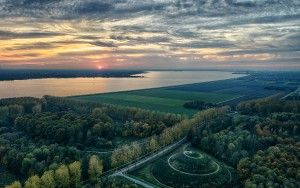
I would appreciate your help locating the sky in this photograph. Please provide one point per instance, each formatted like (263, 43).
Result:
(150, 34)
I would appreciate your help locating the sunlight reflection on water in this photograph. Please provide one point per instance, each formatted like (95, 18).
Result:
(80, 86)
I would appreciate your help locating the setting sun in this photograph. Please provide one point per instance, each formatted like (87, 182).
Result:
(99, 67)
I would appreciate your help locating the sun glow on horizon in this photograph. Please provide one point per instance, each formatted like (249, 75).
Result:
(81, 35)
(100, 67)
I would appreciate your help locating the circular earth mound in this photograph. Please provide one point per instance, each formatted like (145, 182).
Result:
(198, 164)
(190, 168)
(193, 154)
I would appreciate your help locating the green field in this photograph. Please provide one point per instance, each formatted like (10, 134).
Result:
(160, 99)
(186, 167)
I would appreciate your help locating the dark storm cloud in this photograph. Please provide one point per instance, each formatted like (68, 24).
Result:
(260, 51)
(293, 40)
(139, 7)
(31, 3)
(12, 4)
(24, 55)
(4, 35)
(89, 37)
(140, 28)
(136, 51)
(66, 9)
(72, 9)
(103, 44)
(185, 33)
(93, 7)
(138, 40)
(38, 45)
(285, 44)
(240, 21)
(206, 44)
(31, 8)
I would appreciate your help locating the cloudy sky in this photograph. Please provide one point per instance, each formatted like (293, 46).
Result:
(155, 34)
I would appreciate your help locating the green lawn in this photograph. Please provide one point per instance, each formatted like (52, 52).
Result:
(161, 99)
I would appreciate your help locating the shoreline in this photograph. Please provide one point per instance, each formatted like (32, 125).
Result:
(135, 77)
(17, 75)
(162, 87)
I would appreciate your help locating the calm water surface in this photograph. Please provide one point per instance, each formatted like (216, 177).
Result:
(80, 86)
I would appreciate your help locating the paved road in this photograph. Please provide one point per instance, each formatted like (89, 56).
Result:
(136, 181)
(122, 172)
(151, 157)
(296, 92)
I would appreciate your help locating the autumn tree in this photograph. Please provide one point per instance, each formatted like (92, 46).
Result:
(95, 168)
(15, 184)
(47, 179)
(33, 182)
(75, 173)
(62, 176)
(243, 168)
(153, 144)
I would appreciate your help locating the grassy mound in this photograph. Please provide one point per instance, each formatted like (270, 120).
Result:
(170, 177)
(187, 167)
(193, 154)
(192, 166)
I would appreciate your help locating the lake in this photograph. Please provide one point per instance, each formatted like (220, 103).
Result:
(81, 86)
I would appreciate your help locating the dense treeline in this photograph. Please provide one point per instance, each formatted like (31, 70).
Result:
(268, 105)
(9, 113)
(24, 157)
(40, 135)
(65, 176)
(264, 145)
(199, 105)
(120, 113)
(278, 166)
(68, 122)
(27, 103)
(128, 153)
(35, 74)
(66, 127)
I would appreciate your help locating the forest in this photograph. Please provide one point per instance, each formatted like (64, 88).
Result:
(261, 141)
(199, 105)
(60, 142)
(49, 136)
